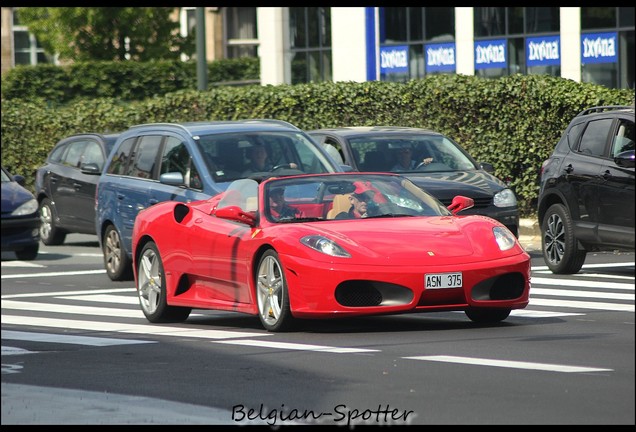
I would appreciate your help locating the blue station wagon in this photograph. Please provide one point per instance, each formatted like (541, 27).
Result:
(186, 162)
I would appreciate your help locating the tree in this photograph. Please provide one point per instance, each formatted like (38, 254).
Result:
(107, 33)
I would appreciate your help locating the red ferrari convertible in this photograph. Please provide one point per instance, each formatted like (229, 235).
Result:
(322, 246)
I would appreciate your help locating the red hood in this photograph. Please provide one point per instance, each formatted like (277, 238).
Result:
(412, 241)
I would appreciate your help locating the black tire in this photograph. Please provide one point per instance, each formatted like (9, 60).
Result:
(151, 288)
(558, 243)
(272, 293)
(29, 253)
(118, 265)
(487, 315)
(50, 234)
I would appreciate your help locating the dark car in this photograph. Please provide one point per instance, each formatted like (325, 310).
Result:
(432, 161)
(65, 185)
(20, 220)
(586, 195)
(186, 162)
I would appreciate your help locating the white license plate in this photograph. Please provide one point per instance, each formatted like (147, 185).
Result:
(443, 280)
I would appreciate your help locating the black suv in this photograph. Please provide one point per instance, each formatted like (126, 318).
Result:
(586, 196)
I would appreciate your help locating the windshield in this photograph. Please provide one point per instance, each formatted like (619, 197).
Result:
(233, 156)
(346, 196)
(409, 153)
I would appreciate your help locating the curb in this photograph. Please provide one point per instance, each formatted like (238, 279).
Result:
(530, 234)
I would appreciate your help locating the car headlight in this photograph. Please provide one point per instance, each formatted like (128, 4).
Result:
(505, 239)
(324, 245)
(505, 198)
(29, 207)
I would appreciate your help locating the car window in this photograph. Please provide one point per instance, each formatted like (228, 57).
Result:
(624, 138)
(93, 154)
(595, 137)
(145, 156)
(74, 153)
(120, 160)
(573, 135)
(176, 158)
(56, 154)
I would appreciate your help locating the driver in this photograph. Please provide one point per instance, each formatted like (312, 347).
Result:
(278, 207)
(404, 161)
(258, 160)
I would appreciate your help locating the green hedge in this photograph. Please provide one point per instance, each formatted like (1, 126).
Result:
(512, 122)
(124, 80)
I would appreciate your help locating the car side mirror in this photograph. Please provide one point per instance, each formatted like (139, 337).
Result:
(172, 178)
(625, 159)
(460, 203)
(236, 214)
(487, 167)
(90, 168)
(19, 179)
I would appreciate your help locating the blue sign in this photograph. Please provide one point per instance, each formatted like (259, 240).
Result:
(491, 54)
(543, 51)
(599, 48)
(394, 59)
(440, 57)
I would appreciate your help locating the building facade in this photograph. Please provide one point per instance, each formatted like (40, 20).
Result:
(305, 44)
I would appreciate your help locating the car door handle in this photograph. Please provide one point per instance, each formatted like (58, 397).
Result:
(568, 169)
(121, 196)
(77, 185)
(153, 201)
(607, 175)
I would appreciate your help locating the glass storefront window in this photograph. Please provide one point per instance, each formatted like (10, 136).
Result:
(415, 27)
(597, 17)
(310, 38)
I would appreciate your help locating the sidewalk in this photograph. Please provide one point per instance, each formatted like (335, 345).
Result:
(530, 234)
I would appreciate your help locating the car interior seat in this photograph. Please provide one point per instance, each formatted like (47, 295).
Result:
(374, 161)
(341, 204)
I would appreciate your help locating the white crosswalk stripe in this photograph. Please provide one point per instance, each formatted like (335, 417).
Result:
(550, 296)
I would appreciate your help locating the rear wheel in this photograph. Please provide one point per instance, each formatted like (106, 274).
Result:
(151, 288)
(117, 263)
(49, 233)
(486, 315)
(271, 293)
(558, 243)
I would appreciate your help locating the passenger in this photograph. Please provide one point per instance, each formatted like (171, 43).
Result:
(360, 199)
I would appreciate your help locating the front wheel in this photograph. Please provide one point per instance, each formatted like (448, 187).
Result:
(487, 316)
(558, 243)
(116, 261)
(29, 253)
(271, 293)
(151, 288)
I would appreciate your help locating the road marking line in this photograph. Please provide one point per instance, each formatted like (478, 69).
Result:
(72, 309)
(580, 283)
(104, 298)
(70, 293)
(295, 346)
(145, 329)
(526, 313)
(581, 304)
(587, 266)
(584, 294)
(50, 274)
(509, 364)
(69, 339)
